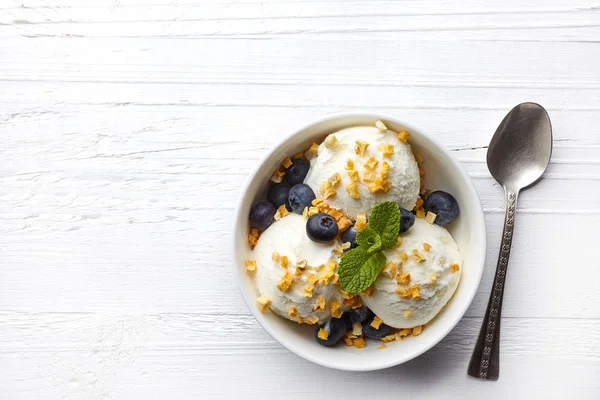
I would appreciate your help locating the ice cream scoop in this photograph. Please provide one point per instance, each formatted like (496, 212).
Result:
(423, 276)
(358, 155)
(287, 238)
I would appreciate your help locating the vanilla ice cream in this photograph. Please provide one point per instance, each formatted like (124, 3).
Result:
(333, 155)
(435, 278)
(288, 238)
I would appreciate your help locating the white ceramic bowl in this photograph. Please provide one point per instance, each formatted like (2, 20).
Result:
(442, 171)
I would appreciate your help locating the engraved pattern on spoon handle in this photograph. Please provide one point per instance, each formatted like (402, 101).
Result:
(485, 361)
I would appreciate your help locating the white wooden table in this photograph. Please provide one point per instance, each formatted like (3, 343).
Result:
(128, 126)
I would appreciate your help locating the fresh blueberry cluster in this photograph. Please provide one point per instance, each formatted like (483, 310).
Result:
(292, 193)
(336, 328)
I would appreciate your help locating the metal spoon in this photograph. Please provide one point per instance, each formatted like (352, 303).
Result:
(518, 155)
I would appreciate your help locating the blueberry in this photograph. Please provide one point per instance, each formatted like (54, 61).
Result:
(335, 327)
(443, 205)
(349, 235)
(359, 314)
(261, 215)
(321, 228)
(278, 195)
(300, 196)
(373, 333)
(407, 220)
(296, 173)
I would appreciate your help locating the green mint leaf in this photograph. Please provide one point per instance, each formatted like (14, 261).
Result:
(385, 220)
(359, 269)
(369, 239)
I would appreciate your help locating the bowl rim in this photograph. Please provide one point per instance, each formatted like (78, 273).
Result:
(479, 230)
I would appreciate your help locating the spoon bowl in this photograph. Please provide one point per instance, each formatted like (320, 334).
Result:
(521, 148)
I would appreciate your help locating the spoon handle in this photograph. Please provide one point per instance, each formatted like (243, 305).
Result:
(485, 361)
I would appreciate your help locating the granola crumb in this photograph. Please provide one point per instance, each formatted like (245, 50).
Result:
(361, 147)
(312, 211)
(308, 290)
(305, 213)
(284, 261)
(403, 279)
(327, 189)
(348, 341)
(426, 246)
(252, 240)
(380, 185)
(417, 330)
(277, 176)
(371, 163)
(320, 305)
(399, 241)
(385, 169)
(382, 346)
(352, 190)
(357, 329)
(387, 149)
(353, 175)
(414, 291)
(335, 279)
(251, 265)
(420, 212)
(432, 278)
(369, 176)
(419, 158)
(454, 268)
(388, 338)
(312, 151)
(331, 142)
(419, 203)
(275, 257)
(403, 136)
(404, 332)
(311, 320)
(335, 179)
(390, 269)
(263, 303)
(287, 162)
(299, 155)
(376, 323)
(349, 165)
(430, 217)
(418, 257)
(359, 343)
(380, 126)
(361, 221)
(293, 312)
(403, 256)
(407, 314)
(323, 334)
(335, 308)
(281, 212)
(286, 282)
(312, 279)
(369, 291)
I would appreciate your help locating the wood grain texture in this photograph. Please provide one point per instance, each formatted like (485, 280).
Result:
(128, 128)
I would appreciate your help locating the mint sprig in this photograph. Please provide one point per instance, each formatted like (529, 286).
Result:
(369, 240)
(360, 267)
